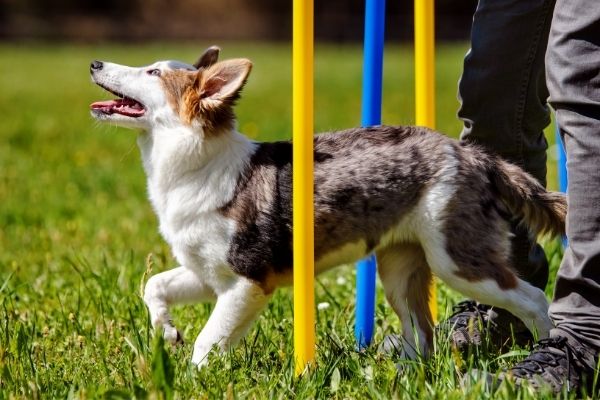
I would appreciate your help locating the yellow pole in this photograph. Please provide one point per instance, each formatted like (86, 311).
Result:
(425, 82)
(424, 63)
(302, 203)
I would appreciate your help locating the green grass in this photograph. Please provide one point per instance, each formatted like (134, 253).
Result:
(78, 236)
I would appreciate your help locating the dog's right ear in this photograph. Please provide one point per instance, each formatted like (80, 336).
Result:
(208, 58)
(222, 82)
(216, 90)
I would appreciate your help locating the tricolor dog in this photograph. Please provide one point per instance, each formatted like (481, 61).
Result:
(424, 203)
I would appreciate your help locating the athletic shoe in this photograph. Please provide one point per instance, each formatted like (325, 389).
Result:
(555, 364)
(473, 325)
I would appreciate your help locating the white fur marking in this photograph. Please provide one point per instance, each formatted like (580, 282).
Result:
(431, 211)
(179, 285)
(233, 314)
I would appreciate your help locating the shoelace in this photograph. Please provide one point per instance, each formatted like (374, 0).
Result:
(542, 356)
(468, 306)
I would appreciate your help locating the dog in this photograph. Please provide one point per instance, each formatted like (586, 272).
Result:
(423, 203)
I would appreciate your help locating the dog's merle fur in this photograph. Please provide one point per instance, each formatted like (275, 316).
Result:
(422, 202)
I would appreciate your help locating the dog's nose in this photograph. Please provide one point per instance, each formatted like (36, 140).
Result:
(96, 66)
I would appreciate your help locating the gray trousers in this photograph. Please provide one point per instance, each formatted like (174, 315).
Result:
(504, 107)
(573, 70)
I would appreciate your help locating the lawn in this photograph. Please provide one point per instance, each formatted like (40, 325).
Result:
(78, 238)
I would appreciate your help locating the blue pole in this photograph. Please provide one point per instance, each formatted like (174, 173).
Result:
(371, 115)
(373, 62)
(562, 162)
(562, 169)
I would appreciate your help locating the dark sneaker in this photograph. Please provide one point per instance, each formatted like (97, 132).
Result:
(473, 325)
(555, 364)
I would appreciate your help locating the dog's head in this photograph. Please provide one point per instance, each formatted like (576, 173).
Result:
(171, 93)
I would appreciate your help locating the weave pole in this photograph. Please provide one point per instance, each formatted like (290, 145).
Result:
(561, 166)
(561, 162)
(425, 83)
(302, 186)
(371, 115)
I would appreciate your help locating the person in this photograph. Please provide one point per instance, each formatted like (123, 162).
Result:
(521, 53)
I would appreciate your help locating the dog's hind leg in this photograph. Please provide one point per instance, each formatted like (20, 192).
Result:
(234, 312)
(484, 274)
(522, 299)
(178, 285)
(467, 241)
(406, 277)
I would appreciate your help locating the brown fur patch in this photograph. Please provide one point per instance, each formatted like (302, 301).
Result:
(185, 97)
(418, 300)
(179, 85)
(274, 280)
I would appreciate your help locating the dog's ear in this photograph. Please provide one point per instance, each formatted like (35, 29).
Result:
(215, 91)
(222, 82)
(208, 58)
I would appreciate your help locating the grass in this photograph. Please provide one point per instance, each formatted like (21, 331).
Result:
(78, 238)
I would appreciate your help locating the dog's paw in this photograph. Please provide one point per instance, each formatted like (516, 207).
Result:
(392, 345)
(396, 346)
(200, 364)
(200, 358)
(172, 335)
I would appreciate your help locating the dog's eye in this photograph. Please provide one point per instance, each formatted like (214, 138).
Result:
(155, 72)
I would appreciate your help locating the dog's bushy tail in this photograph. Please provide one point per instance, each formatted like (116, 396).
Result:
(541, 211)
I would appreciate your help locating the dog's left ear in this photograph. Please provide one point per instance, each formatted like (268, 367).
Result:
(222, 82)
(208, 58)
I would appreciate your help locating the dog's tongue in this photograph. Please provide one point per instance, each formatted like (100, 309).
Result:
(128, 107)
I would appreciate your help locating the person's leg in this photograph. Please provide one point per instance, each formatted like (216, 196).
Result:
(502, 89)
(503, 97)
(503, 108)
(569, 357)
(574, 81)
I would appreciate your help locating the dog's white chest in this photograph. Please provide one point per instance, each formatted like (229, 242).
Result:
(199, 235)
(188, 193)
(202, 242)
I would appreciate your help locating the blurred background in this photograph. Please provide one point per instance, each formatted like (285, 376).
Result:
(335, 20)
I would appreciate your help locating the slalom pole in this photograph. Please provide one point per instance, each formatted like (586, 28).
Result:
(302, 186)
(562, 162)
(371, 115)
(561, 167)
(425, 83)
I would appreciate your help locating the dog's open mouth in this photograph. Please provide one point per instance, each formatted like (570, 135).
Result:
(123, 105)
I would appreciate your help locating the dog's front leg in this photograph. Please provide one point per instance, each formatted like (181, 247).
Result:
(179, 285)
(234, 312)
